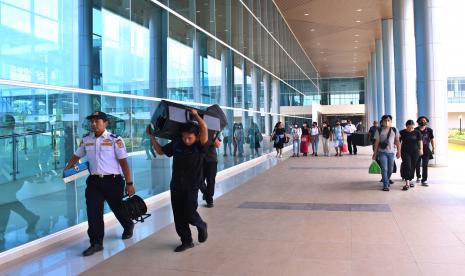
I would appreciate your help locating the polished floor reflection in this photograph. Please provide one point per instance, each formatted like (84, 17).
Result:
(415, 232)
(37, 206)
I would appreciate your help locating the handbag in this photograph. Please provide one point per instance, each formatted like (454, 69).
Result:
(134, 208)
(344, 148)
(374, 168)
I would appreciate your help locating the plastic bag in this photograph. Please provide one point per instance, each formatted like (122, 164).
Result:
(344, 148)
(374, 168)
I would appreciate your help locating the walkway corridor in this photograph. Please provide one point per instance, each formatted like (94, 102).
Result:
(318, 216)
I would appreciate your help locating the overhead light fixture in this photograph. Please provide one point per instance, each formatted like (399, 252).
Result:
(197, 11)
(358, 21)
(312, 30)
(356, 41)
(355, 47)
(356, 35)
(359, 10)
(322, 52)
(305, 14)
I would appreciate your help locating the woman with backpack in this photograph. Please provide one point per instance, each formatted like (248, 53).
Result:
(386, 138)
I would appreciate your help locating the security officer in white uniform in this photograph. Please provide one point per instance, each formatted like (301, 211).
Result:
(107, 158)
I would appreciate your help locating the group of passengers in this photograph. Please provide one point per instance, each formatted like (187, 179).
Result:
(415, 145)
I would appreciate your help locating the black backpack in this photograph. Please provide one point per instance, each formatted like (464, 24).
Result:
(134, 208)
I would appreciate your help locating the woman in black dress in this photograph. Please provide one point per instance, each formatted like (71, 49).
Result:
(279, 136)
(411, 150)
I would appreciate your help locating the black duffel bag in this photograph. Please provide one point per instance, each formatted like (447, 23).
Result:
(134, 208)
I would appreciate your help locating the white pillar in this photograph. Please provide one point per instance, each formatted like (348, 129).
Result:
(266, 98)
(275, 100)
(388, 68)
(431, 77)
(379, 77)
(374, 86)
(404, 60)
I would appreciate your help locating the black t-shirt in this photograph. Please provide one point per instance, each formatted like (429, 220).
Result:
(211, 155)
(305, 131)
(326, 132)
(426, 136)
(187, 163)
(409, 140)
(372, 132)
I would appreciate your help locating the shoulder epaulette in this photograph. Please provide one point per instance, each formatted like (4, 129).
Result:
(114, 135)
(85, 135)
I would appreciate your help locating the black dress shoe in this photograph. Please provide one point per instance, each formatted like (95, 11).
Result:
(127, 233)
(183, 247)
(209, 205)
(92, 249)
(203, 234)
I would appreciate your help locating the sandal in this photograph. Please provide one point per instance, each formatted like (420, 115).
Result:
(406, 187)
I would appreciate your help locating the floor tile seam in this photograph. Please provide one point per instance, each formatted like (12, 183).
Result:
(416, 261)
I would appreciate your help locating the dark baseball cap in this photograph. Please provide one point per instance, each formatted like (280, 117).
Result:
(98, 115)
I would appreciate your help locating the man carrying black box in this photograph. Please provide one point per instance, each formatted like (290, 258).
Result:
(188, 152)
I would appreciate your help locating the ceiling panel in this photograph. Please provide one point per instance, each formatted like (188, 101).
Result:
(338, 35)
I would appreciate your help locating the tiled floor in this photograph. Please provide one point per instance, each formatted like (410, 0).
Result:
(305, 216)
(422, 234)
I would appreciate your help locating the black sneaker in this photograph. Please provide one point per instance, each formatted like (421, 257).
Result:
(391, 182)
(406, 187)
(209, 205)
(203, 234)
(183, 247)
(424, 183)
(127, 233)
(92, 249)
(386, 189)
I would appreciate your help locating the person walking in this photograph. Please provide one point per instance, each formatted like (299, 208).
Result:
(239, 139)
(338, 138)
(147, 144)
(235, 126)
(315, 138)
(210, 169)
(386, 138)
(107, 157)
(371, 133)
(304, 139)
(226, 141)
(411, 150)
(326, 136)
(279, 136)
(296, 133)
(349, 129)
(188, 152)
(428, 138)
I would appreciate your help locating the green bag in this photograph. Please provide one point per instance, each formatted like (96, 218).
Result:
(374, 168)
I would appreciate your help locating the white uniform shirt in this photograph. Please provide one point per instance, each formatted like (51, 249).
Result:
(349, 129)
(102, 152)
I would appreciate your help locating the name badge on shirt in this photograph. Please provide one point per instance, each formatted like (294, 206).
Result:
(89, 144)
(108, 144)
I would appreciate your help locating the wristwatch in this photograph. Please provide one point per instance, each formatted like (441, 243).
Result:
(129, 183)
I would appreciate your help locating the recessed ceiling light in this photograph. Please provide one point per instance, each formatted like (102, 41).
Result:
(355, 47)
(197, 11)
(359, 10)
(305, 14)
(322, 52)
(356, 41)
(356, 35)
(358, 21)
(312, 30)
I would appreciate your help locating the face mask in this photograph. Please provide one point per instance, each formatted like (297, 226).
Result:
(422, 124)
(295, 126)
